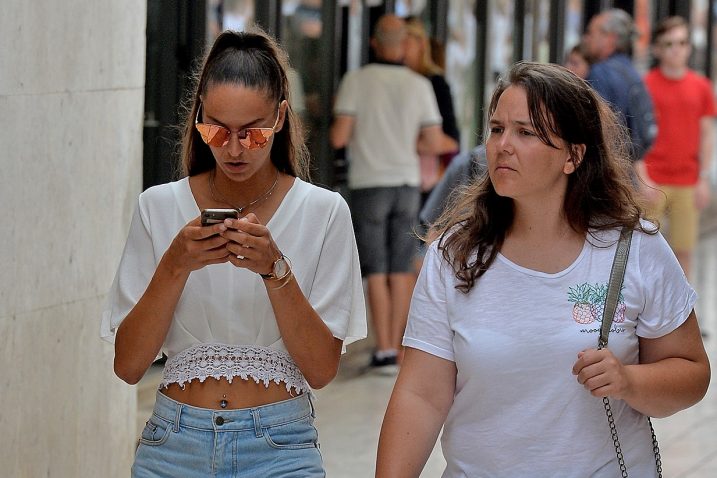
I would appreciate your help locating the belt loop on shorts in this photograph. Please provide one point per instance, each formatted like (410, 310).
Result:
(177, 416)
(257, 423)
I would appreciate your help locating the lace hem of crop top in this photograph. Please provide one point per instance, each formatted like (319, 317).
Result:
(229, 361)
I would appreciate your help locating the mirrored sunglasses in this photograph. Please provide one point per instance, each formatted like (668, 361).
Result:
(249, 138)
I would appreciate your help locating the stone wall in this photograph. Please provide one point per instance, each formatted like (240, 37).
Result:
(71, 106)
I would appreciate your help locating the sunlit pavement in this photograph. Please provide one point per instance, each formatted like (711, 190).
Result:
(351, 408)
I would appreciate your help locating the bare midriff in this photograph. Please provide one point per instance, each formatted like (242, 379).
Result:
(213, 393)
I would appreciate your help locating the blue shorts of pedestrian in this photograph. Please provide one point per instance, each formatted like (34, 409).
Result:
(274, 440)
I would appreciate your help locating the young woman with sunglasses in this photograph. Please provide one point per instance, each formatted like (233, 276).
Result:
(252, 313)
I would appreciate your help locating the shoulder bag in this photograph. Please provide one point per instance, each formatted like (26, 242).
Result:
(617, 275)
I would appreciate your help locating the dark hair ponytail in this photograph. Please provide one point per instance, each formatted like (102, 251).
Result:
(254, 60)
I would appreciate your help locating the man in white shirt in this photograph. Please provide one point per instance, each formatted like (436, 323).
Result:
(385, 114)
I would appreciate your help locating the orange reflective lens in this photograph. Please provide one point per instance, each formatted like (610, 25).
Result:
(249, 138)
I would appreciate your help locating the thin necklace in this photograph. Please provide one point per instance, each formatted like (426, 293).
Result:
(216, 195)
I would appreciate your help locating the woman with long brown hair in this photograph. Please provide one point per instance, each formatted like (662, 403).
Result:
(252, 311)
(501, 342)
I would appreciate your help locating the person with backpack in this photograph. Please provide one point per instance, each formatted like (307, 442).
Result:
(608, 43)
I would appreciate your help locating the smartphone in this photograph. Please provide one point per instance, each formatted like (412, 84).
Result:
(215, 216)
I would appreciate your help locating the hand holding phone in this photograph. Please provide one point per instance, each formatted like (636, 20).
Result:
(215, 216)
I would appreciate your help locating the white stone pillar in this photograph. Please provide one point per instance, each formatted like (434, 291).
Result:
(71, 106)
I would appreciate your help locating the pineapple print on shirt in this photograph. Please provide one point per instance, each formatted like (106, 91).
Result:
(589, 303)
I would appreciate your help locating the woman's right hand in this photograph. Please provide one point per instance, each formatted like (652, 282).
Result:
(196, 246)
(141, 334)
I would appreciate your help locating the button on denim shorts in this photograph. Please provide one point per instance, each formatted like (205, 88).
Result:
(275, 440)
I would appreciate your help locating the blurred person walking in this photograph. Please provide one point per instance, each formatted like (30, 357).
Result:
(385, 114)
(607, 44)
(252, 312)
(419, 58)
(501, 342)
(577, 61)
(465, 168)
(678, 164)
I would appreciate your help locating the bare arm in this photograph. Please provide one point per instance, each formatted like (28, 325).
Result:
(702, 191)
(673, 373)
(419, 404)
(646, 186)
(432, 140)
(141, 334)
(706, 142)
(307, 338)
(448, 144)
(341, 131)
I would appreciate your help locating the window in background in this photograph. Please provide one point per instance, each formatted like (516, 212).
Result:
(407, 8)
(238, 14)
(536, 44)
(499, 51)
(573, 26)
(460, 54)
(698, 34)
(714, 46)
(354, 34)
(642, 17)
(223, 15)
(301, 29)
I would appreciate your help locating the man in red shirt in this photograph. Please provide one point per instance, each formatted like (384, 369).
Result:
(677, 165)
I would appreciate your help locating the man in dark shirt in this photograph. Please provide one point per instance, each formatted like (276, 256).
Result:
(608, 42)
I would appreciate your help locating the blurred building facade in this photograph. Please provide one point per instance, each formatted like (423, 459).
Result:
(326, 38)
(71, 95)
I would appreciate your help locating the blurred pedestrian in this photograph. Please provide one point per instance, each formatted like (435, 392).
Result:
(500, 350)
(608, 43)
(464, 169)
(418, 57)
(678, 164)
(385, 114)
(577, 61)
(252, 311)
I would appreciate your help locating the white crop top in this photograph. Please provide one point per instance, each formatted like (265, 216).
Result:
(224, 325)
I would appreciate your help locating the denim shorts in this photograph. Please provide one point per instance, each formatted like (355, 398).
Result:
(385, 221)
(274, 440)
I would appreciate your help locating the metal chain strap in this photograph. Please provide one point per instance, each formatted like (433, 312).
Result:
(615, 439)
(656, 449)
(617, 274)
(618, 448)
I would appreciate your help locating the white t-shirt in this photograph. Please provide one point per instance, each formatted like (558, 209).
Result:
(518, 411)
(225, 305)
(390, 105)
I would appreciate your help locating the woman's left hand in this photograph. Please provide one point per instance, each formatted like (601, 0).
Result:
(602, 374)
(250, 244)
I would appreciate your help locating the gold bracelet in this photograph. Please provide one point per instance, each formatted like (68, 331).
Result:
(285, 281)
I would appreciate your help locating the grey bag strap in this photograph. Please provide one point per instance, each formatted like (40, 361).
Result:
(617, 276)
